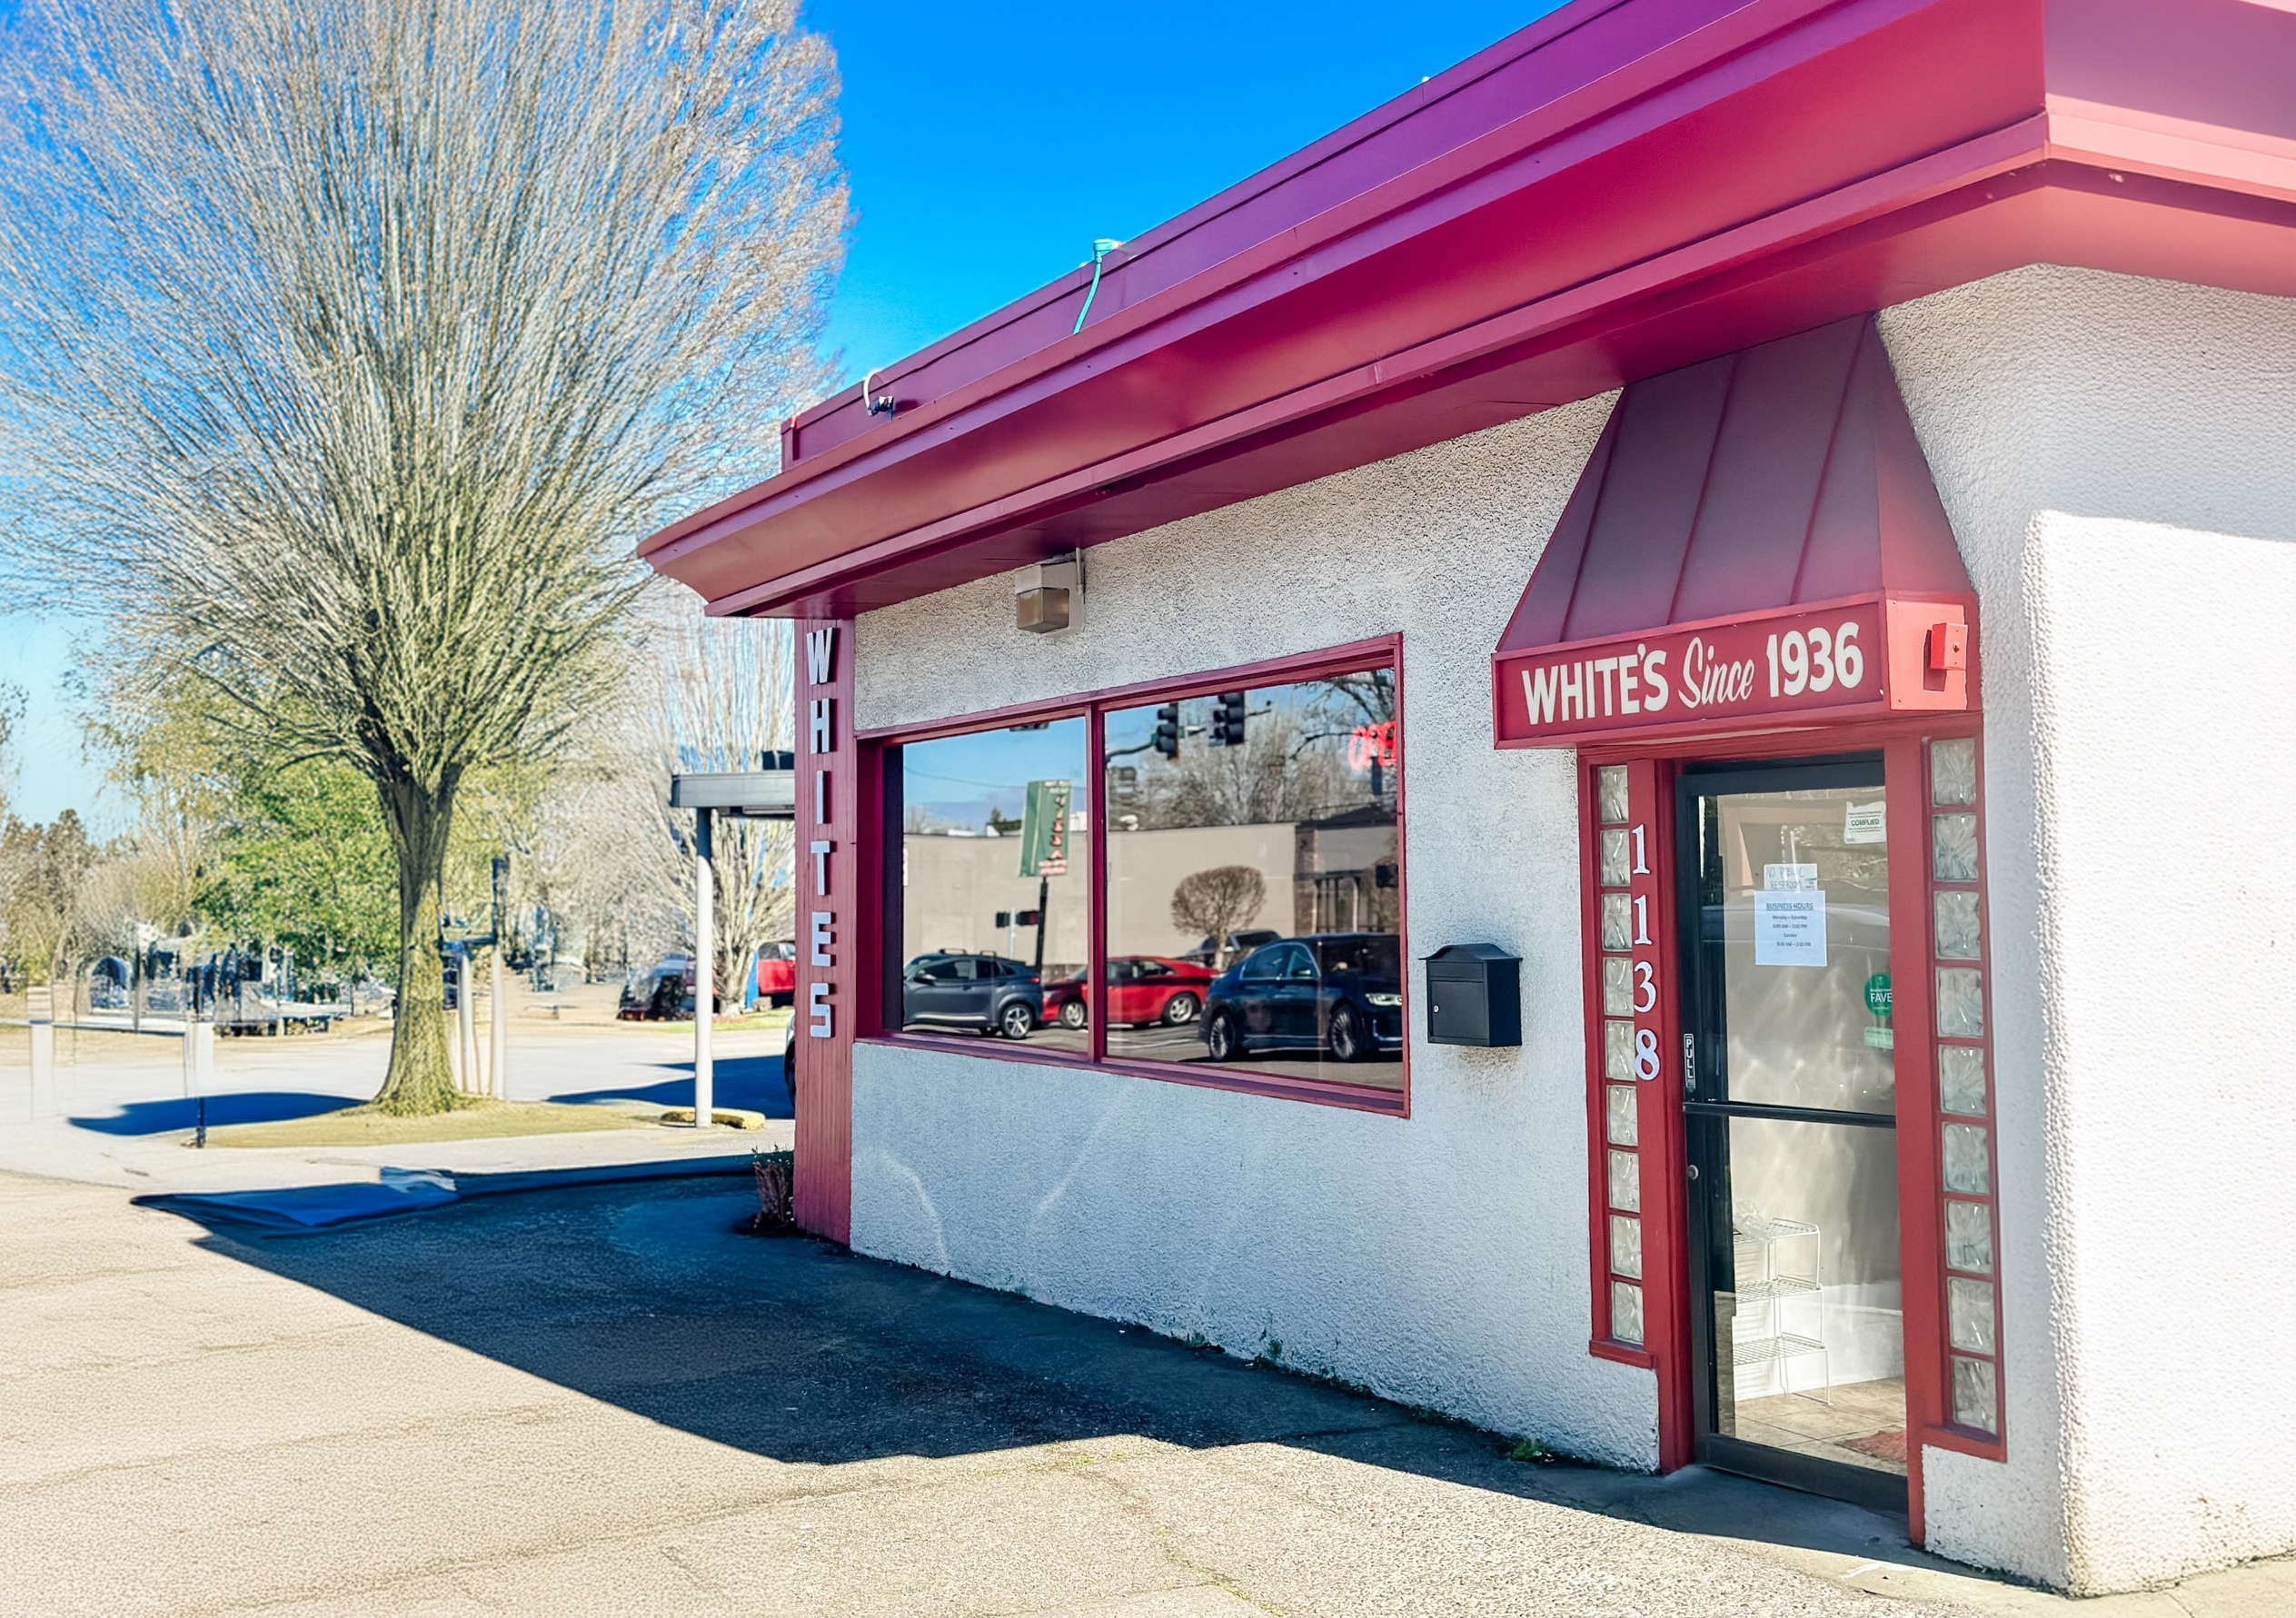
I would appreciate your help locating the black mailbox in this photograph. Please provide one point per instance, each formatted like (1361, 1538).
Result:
(1474, 996)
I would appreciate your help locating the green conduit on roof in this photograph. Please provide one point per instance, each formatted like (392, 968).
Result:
(1101, 248)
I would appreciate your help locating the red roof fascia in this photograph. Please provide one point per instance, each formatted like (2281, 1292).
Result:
(1690, 177)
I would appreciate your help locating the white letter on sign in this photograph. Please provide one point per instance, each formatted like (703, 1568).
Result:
(817, 1001)
(821, 940)
(820, 740)
(820, 852)
(821, 654)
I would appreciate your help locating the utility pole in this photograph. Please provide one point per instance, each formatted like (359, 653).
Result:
(705, 944)
(499, 1052)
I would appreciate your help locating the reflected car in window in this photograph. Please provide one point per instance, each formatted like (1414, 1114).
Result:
(1143, 990)
(1341, 993)
(989, 994)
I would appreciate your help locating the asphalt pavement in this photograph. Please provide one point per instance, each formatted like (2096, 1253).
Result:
(604, 1401)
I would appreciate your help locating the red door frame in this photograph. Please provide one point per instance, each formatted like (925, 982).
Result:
(1652, 772)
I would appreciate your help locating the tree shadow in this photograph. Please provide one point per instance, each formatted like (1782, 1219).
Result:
(176, 1113)
(754, 1084)
(644, 1296)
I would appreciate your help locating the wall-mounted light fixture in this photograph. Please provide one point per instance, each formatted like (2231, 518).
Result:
(1049, 595)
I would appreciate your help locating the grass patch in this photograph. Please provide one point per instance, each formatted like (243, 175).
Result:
(473, 1119)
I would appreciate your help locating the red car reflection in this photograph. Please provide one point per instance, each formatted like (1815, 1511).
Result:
(1142, 988)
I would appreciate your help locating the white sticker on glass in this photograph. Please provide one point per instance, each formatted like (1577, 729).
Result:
(1865, 822)
(1789, 929)
(1789, 879)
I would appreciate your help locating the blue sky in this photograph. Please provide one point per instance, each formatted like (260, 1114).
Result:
(987, 146)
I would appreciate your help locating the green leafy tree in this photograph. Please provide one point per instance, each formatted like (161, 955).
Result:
(305, 861)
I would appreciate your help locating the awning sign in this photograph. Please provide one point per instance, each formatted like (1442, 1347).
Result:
(1785, 664)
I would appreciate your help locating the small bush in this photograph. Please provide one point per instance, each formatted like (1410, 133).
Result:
(776, 1174)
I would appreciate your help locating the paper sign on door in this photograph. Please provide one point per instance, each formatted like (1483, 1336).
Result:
(1789, 927)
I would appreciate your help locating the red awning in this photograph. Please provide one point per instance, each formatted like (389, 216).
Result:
(1755, 543)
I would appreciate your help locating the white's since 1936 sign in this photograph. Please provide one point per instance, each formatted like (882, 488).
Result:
(1830, 662)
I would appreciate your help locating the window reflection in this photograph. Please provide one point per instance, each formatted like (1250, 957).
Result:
(994, 886)
(1254, 881)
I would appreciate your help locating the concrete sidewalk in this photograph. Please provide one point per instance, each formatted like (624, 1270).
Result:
(602, 1401)
(126, 1121)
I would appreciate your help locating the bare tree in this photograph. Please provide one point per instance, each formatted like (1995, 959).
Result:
(1218, 901)
(346, 345)
(705, 694)
(45, 892)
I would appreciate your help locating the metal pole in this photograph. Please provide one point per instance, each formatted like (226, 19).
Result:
(705, 944)
(465, 1024)
(498, 1068)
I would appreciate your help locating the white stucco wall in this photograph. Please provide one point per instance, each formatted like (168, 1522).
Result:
(2119, 460)
(1440, 1260)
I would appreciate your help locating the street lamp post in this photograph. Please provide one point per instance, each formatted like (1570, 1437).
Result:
(768, 794)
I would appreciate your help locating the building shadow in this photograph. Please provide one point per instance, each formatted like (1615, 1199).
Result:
(176, 1113)
(754, 1084)
(646, 1297)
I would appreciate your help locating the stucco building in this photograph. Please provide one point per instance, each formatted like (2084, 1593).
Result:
(1781, 518)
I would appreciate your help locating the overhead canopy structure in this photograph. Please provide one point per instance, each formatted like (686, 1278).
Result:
(1755, 537)
(1624, 188)
(749, 794)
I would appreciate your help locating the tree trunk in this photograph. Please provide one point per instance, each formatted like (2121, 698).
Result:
(419, 1080)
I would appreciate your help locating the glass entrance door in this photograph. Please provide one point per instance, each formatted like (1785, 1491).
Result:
(1790, 1120)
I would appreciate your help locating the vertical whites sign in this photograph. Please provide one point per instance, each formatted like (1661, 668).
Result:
(821, 743)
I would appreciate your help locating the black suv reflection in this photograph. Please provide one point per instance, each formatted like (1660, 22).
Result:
(986, 992)
(1339, 992)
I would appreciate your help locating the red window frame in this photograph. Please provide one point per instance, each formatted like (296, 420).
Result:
(1355, 658)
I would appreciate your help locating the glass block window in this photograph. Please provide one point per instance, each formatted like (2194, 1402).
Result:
(1618, 921)
(1961, 1002)
(1969, 1315)
(1976, 1396)
(1618, 1050)
(1620, 1126)
(1957, 928)
(1610, 794)
(1961, 1079)
(1968, 1163)
(1953, 771)
(1622, 966)
(1969, 1236)
(1626, 1313)
(1625, 1181)
(1625, 1245)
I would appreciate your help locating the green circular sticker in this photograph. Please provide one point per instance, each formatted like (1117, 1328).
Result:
(1877, 993)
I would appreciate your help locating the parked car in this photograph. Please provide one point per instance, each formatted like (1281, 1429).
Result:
(1339, 992)
(662, 995)
(1239, 944)
(958, 990)
(777, 973)
(1142, 990)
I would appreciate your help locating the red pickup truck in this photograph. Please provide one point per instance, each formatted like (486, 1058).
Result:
(777, 973)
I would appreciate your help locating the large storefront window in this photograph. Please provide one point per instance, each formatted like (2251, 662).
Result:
(1248, 927)
(994, 891)
(1254, 880)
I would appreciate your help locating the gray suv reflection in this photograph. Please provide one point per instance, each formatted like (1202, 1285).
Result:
(987, 993)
